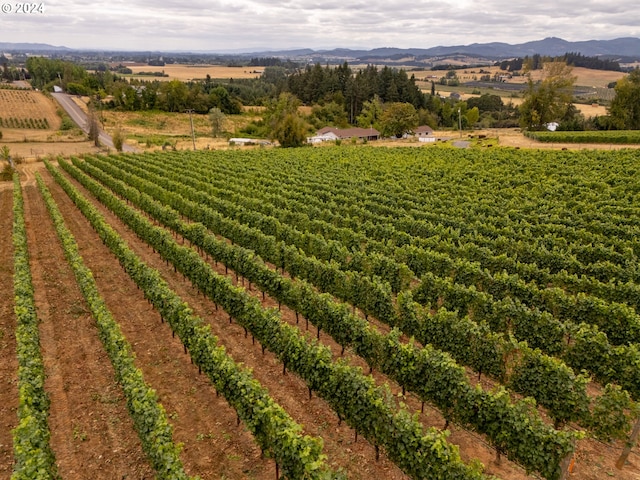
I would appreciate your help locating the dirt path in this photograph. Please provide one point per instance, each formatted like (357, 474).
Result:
(214, 446)
(8, 356)
(92, 433)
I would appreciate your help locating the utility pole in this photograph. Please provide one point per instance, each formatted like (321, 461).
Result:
(460, 122)
(193, 135)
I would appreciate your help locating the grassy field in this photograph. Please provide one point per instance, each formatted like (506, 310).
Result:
(195, 72)
(153, 129)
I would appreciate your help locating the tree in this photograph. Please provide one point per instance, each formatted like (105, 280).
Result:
(371, 113)
(94, 128)
(284, 123)
(172, 96)
(472, 115)
(118, 139)
(220, 98)
(398, 118)
(5, 153)
(625, 106)
(217, 120)
(331, 113)
(291, 131)
(548, 100)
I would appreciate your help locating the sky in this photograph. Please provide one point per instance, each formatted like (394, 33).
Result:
(261, 25)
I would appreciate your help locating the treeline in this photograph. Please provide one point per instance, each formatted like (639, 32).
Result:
(271, 62)
(10, 72)
(46, 71)
(536, 62)
(317, 84)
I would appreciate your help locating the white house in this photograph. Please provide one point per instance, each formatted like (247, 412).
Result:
(424, 133)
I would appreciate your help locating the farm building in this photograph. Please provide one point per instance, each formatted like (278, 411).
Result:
(423, 131)
(330, 134)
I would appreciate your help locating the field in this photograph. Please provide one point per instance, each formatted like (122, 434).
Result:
(196, 72)
(26, 113)
(30, 127)
(592, 83)
(538, 247)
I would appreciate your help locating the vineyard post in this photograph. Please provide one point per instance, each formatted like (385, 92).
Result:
(567, 465)
(630, 444)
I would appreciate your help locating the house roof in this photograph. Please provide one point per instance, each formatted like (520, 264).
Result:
(423, 129)
(350, 132)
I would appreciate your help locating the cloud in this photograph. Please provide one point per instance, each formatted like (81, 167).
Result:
(264, 24)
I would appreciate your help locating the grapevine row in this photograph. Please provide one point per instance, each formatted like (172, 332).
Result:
(276, 433)
(565, 393)
(620, 322)
(34, 457)
(149, 417)
(396, 206)
(455, 397)
(355, 398)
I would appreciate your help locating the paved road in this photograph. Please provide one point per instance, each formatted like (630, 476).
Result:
(80, 118)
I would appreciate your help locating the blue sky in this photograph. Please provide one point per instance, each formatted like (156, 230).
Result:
(255, 25)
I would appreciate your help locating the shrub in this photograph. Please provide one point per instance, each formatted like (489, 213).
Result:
(7, 173)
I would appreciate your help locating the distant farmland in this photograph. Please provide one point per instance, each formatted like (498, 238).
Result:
(197, 72)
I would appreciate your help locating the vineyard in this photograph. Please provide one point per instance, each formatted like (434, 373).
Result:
(323, 313)
(27, 109)
(618, 137)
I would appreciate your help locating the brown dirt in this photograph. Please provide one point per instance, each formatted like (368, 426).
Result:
(9, 363)
(92, 434)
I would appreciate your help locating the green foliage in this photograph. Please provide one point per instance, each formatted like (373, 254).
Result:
(500, 248)
(548, 100)
(94, 127)
(398, 119)
(371, 114)
(612, 414)
(329, 114)
(217, 120)
(345, 328)
(6, 175)
(48, 71)
(118, 139)
(619, 137)
(299, 456)
(284, 123)
(625, 106)
(354, 396)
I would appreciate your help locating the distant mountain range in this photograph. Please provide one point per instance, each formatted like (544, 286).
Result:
(31, 47)
(621, 48)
